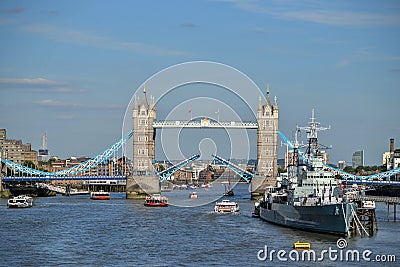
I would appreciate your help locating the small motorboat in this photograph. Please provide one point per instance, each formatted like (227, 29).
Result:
(193, 195)
(228, 189)
(21, 201)
(229, 193)
(256, 213)
(226, 206)
(156, 200)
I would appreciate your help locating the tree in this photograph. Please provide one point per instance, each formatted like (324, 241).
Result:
(348, 169)
(281, 170)
(29, 164)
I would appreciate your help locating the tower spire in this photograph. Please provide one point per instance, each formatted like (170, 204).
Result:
(144, 101)
(267, 96)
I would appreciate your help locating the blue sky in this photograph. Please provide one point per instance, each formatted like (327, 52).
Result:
(69, 68)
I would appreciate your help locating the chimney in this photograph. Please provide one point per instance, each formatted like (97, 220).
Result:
(391, 145)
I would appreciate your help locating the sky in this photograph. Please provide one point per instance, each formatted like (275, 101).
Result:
(70, 68)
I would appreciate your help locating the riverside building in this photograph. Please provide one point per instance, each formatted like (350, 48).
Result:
(15, 150)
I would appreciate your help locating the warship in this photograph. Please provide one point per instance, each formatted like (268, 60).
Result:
(311, 198)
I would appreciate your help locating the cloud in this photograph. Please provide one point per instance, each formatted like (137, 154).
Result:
(343, 63)
(65, 117)
(342, 18)
(313, 12)
(112, 106)
(60, 104)
(55, 103)
(187, 25)
(26, 82)
(93, 40)
(16, 10)
(68, 90)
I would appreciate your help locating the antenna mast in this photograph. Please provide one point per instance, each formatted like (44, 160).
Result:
(312, 135)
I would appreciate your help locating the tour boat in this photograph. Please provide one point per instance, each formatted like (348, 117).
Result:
(156, 200)
(20, 202)
(193, 195)
(100, 195)
(226, 206)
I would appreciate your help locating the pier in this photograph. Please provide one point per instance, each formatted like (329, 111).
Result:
(388, 200)
(365, 222)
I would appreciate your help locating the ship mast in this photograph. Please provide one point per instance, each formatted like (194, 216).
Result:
(312, 135)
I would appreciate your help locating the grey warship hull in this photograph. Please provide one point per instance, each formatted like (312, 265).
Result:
(330, 219)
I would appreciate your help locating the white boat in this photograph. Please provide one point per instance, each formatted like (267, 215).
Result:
(20, 202)
(226, 206)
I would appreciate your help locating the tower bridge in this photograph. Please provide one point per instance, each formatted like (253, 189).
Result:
(145, 125)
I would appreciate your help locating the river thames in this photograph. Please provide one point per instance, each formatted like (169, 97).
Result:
(78, 231)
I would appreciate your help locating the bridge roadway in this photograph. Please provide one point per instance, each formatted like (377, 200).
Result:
(206, 123)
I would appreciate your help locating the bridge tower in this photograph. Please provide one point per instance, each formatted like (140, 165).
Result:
(143, 134)
(267, 145)
(143, 179)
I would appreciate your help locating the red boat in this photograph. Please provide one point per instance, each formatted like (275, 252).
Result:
(101, 195)
(156, 200)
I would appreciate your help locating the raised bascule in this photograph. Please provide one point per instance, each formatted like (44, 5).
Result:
(145, 180)
(142, 179)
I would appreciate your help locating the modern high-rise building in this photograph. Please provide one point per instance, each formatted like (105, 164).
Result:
(15, 150)
(44, 152)
(358, 159)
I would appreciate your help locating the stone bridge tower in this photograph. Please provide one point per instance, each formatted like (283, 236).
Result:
(143, 179)
(267, 145)
(144, 115)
